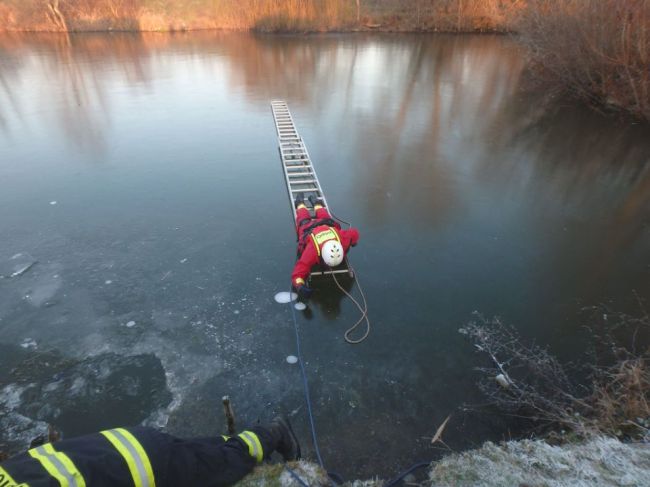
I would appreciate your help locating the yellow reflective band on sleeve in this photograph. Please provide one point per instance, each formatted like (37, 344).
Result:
(225, 438)
(317, 207)
(301, 205)
(299, 280)
(254, 445)
(134, 455)
(321, 237)
(7, 480)
(58, 465)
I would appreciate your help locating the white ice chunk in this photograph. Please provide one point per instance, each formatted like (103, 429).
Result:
(130, 324)
(300, 306)
(17, 265)
(285, 297)
(292, 359)
(53, 203)
(28, 343)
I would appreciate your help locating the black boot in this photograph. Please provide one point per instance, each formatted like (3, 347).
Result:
(285, 439)
(315, 200)
(300, 199)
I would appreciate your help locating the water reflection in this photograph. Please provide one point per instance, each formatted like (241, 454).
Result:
(438, 121)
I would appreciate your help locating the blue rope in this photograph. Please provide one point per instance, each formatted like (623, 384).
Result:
(332, 475)
(304, 382)
(295, 476)
(398, 479)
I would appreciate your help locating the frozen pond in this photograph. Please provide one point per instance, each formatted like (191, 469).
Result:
(145, 231)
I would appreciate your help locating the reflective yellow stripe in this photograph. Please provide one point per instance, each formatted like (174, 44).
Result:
(321, 237)
(58, 465)
(225, 438)
(299, 280)
(67, 463)
(7, 480)
(134, 455)
(254, 445)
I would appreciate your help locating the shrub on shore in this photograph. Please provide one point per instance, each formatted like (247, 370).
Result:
(596, 50)
(612, 398)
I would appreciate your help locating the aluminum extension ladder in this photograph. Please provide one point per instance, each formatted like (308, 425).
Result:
(299, 173)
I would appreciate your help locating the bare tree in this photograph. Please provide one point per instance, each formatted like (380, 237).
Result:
(56, 16)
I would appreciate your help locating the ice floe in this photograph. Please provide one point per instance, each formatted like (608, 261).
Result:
(285, 297)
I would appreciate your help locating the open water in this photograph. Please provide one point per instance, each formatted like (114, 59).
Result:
(145, 230)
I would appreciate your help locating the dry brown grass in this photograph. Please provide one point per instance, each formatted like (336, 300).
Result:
(265, 15)
(597, 50)
(536, 386)
(621, 398)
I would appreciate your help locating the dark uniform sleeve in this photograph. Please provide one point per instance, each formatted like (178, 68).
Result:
(213, 462)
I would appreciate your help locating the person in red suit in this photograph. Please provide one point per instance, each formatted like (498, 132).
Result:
(320, 239)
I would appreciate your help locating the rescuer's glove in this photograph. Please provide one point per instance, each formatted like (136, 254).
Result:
(304, 291)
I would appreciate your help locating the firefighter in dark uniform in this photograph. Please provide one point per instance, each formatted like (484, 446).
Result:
(320, 239)
(146, 457)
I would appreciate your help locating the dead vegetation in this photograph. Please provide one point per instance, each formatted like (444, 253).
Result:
(610, 395)
(596, 50)
(262, 15)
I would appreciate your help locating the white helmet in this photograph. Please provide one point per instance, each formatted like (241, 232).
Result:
(332, 253)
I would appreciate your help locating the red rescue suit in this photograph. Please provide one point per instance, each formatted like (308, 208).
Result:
(311, 242)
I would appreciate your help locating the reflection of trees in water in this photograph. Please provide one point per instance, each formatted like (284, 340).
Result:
(421, 108)
(78, 69)
(592, 167)
(11, 65)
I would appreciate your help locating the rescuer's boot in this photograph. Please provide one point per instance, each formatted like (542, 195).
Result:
(300, 199)
(314, 200)
(286, 441)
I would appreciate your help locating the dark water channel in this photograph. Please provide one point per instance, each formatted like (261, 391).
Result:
(140, 174)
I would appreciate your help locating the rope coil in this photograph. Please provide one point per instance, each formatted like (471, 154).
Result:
(363, 309)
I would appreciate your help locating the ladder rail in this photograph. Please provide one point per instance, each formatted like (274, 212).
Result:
(295, 147)
(297, 164)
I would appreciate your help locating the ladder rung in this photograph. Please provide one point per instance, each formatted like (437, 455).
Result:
(303, 181)
(308, 190)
